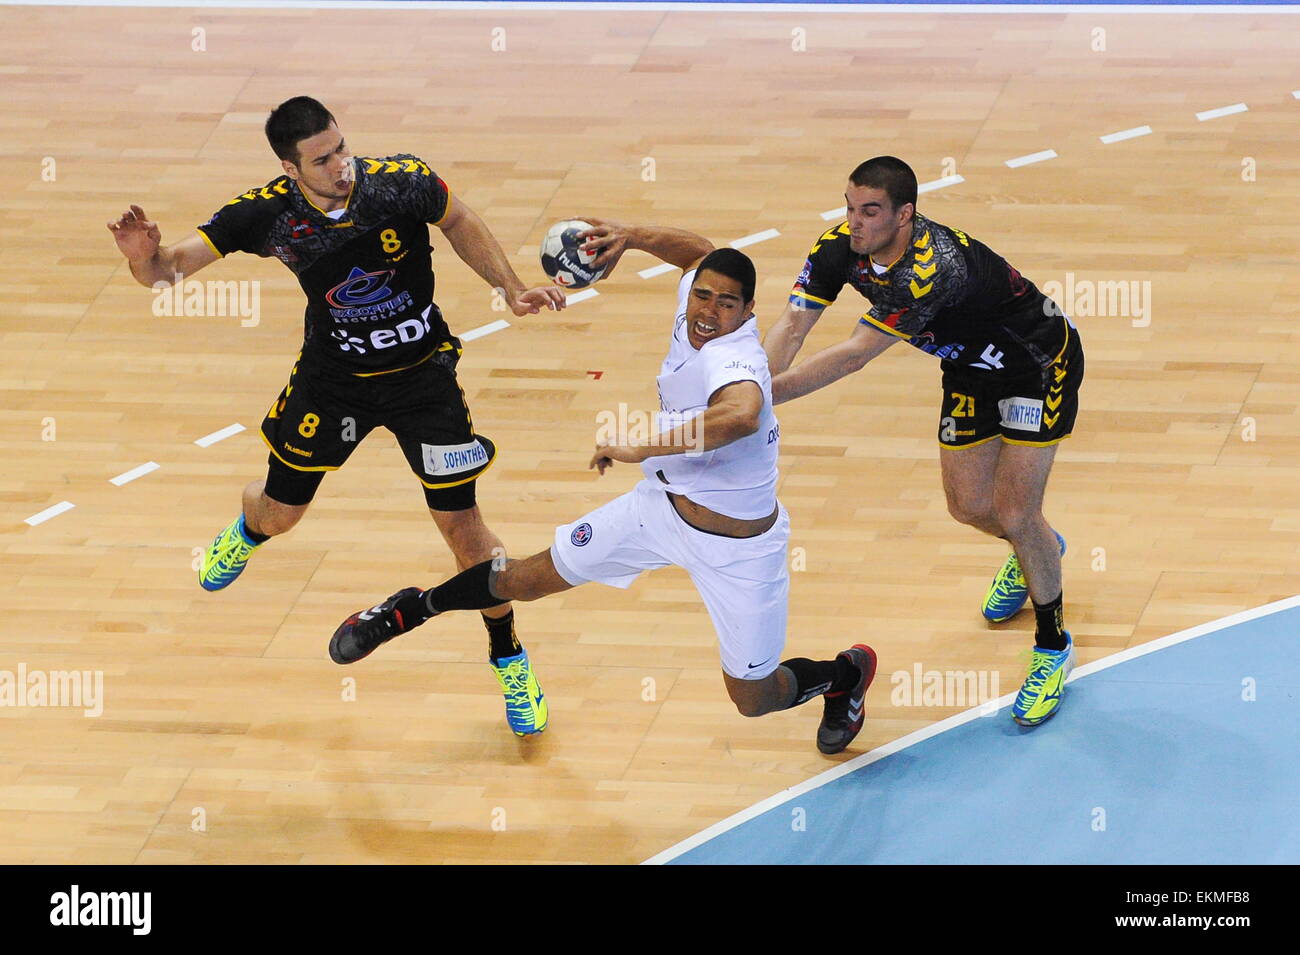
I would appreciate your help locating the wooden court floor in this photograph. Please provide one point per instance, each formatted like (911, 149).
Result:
(226, 733)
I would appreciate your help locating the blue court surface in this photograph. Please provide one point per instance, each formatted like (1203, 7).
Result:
(1184, 751)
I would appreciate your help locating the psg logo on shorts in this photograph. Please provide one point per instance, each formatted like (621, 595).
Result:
(581, 535)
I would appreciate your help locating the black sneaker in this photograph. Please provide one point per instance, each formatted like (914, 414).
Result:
(845, 712)
(362, 633)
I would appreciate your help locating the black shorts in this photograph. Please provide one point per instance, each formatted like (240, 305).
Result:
(323, 414)
(1036, 410)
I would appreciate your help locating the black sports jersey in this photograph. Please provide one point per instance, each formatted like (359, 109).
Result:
(368, 275)
(948, 295)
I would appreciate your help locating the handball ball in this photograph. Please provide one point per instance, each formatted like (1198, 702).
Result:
(562, 258)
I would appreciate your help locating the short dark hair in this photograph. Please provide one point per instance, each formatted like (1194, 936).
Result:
(293, 121)
(890, 174)
(734, 264)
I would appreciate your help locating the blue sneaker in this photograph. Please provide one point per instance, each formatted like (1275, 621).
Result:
(526, 709)
(226, 556)
(1040, 696)
(1008, 592)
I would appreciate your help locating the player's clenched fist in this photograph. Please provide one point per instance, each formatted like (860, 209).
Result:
(137, 237)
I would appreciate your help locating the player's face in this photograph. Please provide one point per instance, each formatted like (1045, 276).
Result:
(714, 307)
(874, 223)
(324, 164)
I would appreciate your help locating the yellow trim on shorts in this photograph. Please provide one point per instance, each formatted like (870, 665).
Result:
(438, 487)
(973, 444)
(1034, 444)
(209, 242)
(885, 328)
(1064, 346)
(296, 467)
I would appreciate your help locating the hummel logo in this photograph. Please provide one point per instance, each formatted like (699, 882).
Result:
(854, 712)
(369, 614)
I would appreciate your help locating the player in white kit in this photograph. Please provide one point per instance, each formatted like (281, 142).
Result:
(707, 504)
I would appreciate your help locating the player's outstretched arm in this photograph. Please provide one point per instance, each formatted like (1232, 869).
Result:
(831, 364)
(479, 249)
(611, 239)
(785, 338)
(140, 240)
(732, 414)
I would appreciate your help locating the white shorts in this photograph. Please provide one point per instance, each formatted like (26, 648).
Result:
(745, 582)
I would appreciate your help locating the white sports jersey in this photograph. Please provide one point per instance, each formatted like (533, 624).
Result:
(738, 480)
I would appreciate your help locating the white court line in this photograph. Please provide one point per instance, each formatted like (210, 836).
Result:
(1124, 134)
(911, 739)
(482, 330)
(930, 186)
(128, 476)
(1221, 111)
(943, 183)
(654, 270)
(1043, 156)
(994, 8)
(763, 236)
(581, 296)
(49, 512)
(1295, 94)
(215, 436)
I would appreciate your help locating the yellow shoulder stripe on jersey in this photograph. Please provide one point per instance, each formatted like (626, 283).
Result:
(396, 165)
(264, 192)
(830, 235)
(446, 209)
(925, 271)
(919, 290)
(924, 257)
(811, 298)
(924, 241)
(209, 242)
(884, 328)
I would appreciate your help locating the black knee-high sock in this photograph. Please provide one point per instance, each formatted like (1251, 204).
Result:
(468, 590)
(815, 677)
(1049, 624)
(502, 641)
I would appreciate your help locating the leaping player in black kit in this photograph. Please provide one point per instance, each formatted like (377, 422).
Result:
(1012, 363)
(376, 351)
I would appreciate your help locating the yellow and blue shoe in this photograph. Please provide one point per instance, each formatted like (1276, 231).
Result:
(526, 710)
(1008, 592)
(226, 556)
(1040, 697)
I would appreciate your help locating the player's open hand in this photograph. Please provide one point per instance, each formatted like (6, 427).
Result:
(533, 300)
(607, 454)
(137, 237)
(606, 237)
